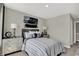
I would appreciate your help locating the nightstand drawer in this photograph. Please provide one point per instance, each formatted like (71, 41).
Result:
(11, 45)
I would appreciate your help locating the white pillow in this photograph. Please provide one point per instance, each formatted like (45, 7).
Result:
(31, 34)
(28, 35)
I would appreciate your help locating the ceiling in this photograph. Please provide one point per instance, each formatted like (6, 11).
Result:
(39, 9)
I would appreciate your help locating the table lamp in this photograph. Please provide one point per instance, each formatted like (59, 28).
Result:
(13, 26)
(45, 30)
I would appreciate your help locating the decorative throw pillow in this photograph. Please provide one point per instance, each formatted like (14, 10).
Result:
(26, 35)
(38, 34)
(32, 32)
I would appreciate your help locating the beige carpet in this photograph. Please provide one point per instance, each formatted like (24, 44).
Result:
(73, 51)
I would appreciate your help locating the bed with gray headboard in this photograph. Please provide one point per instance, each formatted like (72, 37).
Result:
(41, 46)
(27, 30)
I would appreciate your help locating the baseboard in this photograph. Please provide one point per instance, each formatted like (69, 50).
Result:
(77, 40)
(67, 46)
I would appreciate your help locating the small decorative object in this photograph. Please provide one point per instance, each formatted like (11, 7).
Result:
(8, 34)
(13, 26)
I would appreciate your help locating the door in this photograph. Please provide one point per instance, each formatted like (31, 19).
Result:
(77, 31)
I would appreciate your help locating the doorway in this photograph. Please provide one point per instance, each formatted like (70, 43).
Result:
(76, 31)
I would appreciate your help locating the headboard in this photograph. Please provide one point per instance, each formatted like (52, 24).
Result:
(27, 30)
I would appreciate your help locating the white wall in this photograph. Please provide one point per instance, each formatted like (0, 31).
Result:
(72, 29)
(60, 28)
(13, 16)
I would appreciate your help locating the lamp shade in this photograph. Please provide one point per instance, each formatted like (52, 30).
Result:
(13, 26)
(44, 28)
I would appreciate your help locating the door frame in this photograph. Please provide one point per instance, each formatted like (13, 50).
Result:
(75, 39)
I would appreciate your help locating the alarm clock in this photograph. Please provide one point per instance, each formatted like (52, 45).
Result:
(8, 34)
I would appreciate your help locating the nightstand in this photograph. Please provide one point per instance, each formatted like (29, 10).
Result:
(46, 36)
(11, 45)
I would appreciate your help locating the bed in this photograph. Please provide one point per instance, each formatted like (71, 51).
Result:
(41, 46)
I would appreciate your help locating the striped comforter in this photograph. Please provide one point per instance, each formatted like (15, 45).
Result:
(43, 47)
